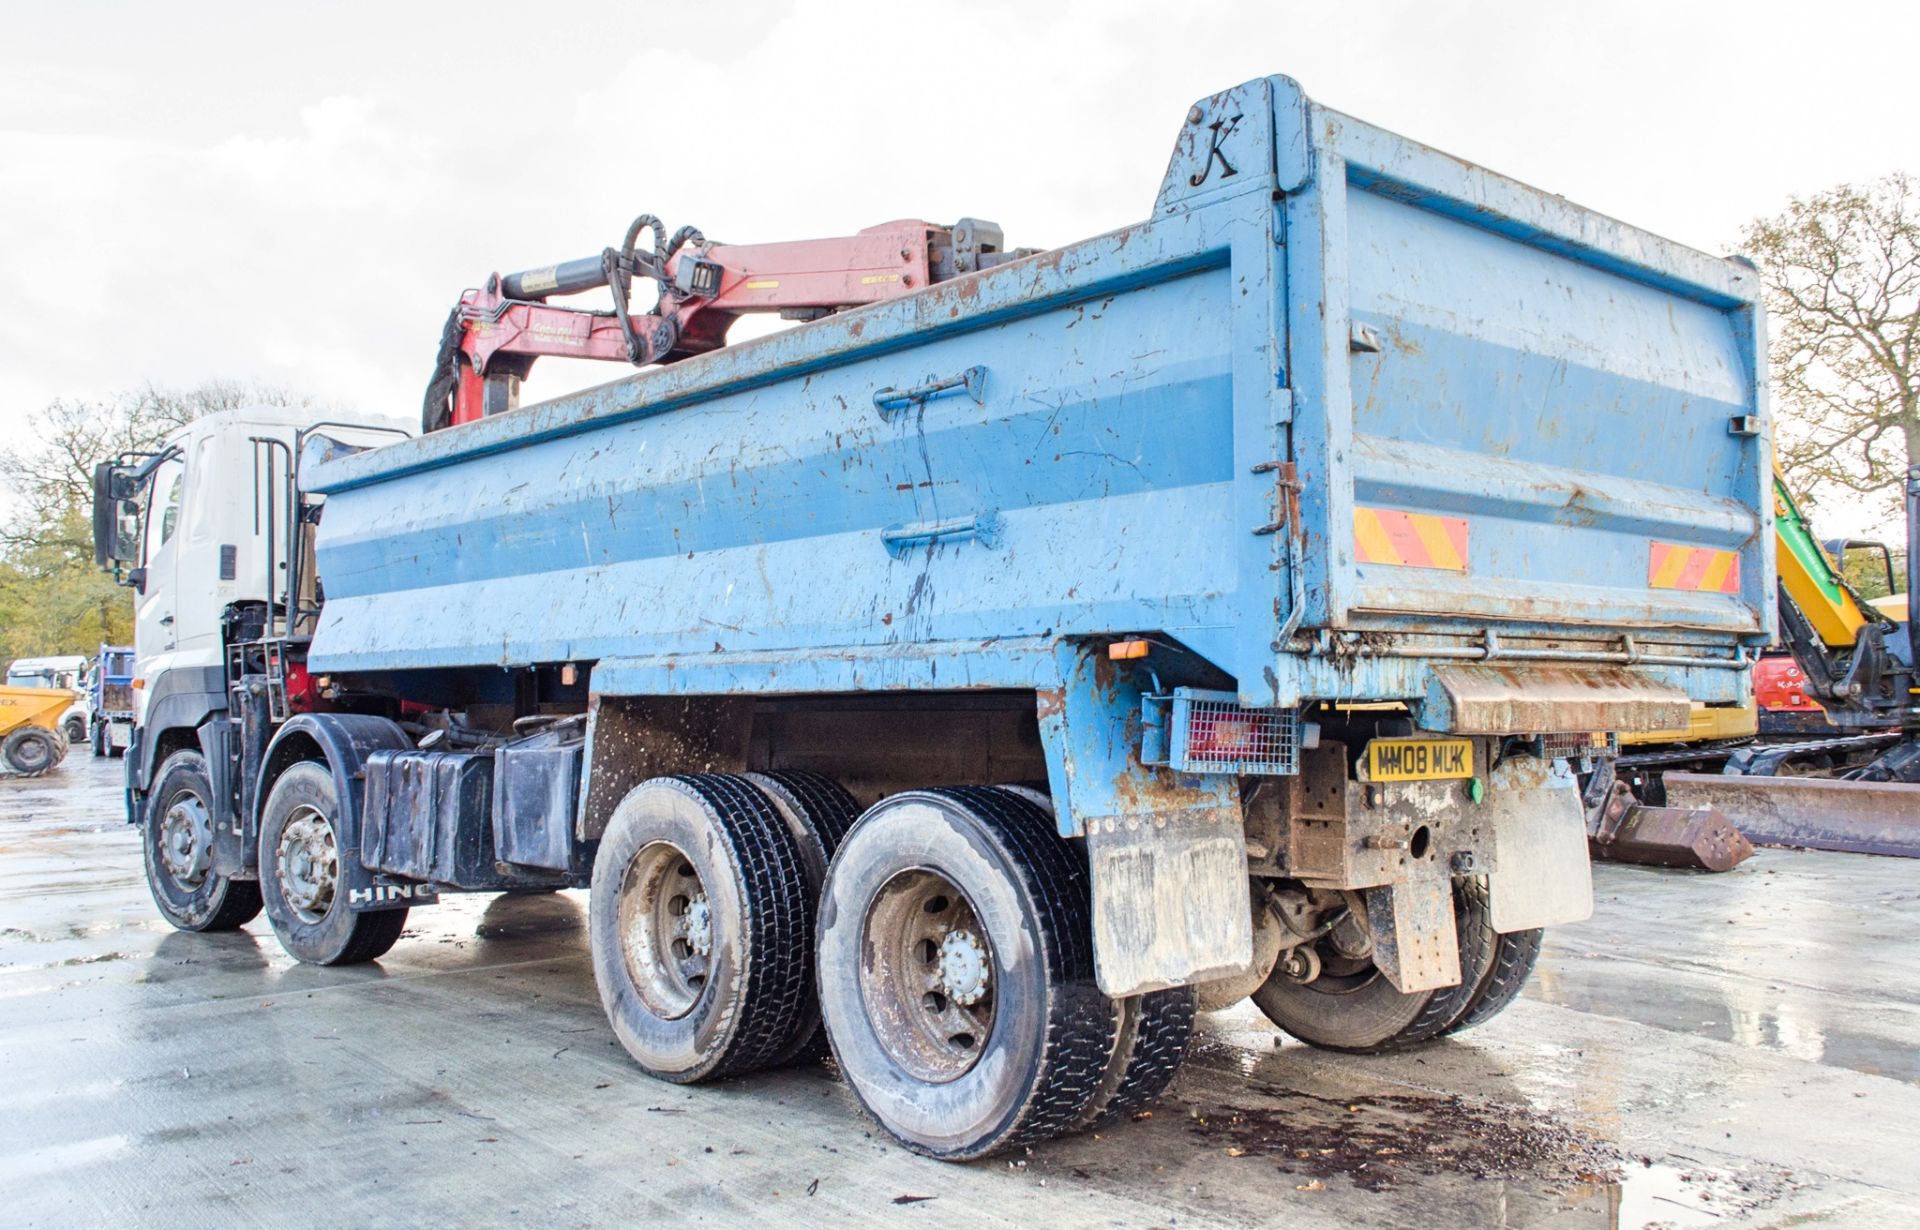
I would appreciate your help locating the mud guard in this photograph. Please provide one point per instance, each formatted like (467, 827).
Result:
(1167, 851)
(345, 741)
(1415, 942)
(1541, 875)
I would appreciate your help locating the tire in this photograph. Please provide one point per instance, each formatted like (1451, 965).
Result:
(177, 841)
(700, 928)
(1149, 1047)
(75, 730)
(100, 740)
(302, 881)
(948, 1076)
(1153, 1032)
(1514, 956)
(1360, 1012)
(817, 811)
(33, 750)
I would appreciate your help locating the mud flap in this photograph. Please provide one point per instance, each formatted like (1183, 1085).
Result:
(1167, 851)
(1541, 875)
(1415, 943)
(1169, 899)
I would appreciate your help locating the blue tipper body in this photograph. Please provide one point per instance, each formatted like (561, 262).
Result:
(1172, 430)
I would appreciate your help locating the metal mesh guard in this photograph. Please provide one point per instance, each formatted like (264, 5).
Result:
(1212, 733)
(1564, 746)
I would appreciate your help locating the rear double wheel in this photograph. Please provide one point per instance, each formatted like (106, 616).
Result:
(700, 924)
(1330, 994)
(956, 973)
(817, 812)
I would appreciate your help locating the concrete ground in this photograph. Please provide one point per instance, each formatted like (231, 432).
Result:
(1737, 1050)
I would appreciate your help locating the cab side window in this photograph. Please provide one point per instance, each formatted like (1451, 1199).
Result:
(163, 517)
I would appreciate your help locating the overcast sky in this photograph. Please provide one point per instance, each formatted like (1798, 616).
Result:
(297, 193)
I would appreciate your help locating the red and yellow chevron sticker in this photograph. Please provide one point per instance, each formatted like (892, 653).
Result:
(1409, 540)
(1670, 566)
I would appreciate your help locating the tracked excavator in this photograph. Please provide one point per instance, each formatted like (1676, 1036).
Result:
(1842, 774)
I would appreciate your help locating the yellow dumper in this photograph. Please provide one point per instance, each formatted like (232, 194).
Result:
(30, 737)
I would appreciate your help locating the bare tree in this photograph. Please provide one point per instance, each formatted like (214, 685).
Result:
(52, 598)
(53, 475)
(1842, 274)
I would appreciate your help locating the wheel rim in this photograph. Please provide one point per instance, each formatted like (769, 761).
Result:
(309, 864)
(666, 929)
(32, 754)
(927, 976)
(186, 841)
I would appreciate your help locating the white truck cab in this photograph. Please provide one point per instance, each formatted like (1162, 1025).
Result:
(200, 529)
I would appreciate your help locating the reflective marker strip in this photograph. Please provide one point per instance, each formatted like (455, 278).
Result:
(1409, 540)
(1697, 568)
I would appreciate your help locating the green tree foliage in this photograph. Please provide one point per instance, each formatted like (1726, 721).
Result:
(52, 598)
(1842, 274)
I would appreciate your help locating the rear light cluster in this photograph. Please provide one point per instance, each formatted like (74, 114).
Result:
(1196, 731)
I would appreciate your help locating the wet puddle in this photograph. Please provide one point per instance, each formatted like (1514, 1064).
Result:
(1794, 1024)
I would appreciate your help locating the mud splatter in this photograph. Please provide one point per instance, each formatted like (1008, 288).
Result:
(1377, 1141)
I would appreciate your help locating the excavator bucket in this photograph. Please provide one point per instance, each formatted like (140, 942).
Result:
(1701, 838)
(1815, 813)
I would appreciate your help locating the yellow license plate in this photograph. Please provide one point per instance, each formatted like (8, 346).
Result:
(1419, 760)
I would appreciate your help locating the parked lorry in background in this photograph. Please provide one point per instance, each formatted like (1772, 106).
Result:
(66, 672)
(110, 700)
(962, 678)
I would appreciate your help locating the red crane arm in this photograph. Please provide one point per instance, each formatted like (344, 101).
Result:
(495, 333)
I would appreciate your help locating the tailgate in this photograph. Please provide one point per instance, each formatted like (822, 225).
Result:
(1546, 435)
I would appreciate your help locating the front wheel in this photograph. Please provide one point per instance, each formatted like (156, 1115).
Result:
(956, 973)
(32, 750)
(303, 877)
(100, 739)
(178, 845)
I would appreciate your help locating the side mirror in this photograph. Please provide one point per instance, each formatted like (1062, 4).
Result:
(106, 506)
(116, 516)
(137, 577)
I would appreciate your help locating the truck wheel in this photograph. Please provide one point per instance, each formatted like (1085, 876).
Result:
(100, 740)
(1350, 1006)
(32, 750)
(818, 811)
(178, 845)
(1148, 1049)
(956, 973)
(699, 927)
(302, 880)
(75, 730)
(1514, 956)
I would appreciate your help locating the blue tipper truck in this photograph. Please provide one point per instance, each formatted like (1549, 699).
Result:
(978, 680)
